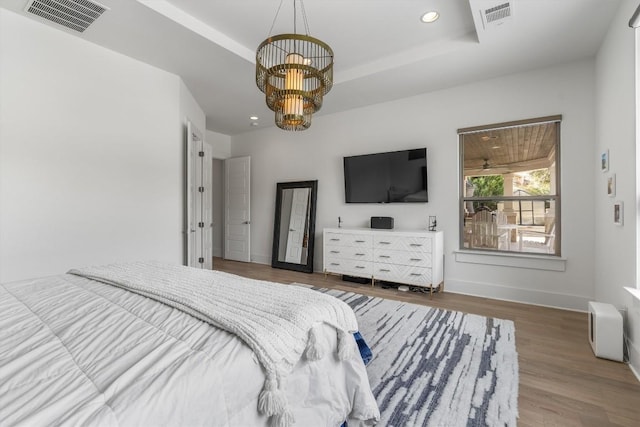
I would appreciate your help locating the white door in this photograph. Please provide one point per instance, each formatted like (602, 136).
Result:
(237, 224)
(194, 138)
(199, 241)
(207, 207)
(297, 222)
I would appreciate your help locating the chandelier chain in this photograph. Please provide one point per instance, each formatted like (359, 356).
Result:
(304, 17)
(303, 13)
(276, 17)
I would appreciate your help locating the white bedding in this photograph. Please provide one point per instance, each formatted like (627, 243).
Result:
(75, 351)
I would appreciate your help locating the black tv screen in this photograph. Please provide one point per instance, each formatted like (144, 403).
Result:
(393, 177)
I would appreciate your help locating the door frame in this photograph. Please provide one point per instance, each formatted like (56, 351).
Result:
(197, 165)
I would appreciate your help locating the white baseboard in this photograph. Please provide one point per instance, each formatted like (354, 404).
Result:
(258, 259)
(261, 259)
(526, 296)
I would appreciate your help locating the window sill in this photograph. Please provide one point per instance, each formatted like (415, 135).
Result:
(536, 262)
(634, 292)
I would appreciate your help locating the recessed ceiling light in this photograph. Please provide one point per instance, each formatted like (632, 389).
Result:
(430, 17)
(254, 117)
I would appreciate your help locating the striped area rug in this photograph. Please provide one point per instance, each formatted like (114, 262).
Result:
(435, 367)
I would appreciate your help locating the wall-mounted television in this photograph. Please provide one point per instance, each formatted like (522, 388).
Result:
(392, 177)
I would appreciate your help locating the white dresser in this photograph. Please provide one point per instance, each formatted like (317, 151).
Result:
(410, 257)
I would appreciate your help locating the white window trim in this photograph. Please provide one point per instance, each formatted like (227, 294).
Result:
(511, 259)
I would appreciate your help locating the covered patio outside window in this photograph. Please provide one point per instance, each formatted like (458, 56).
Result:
(510, 198)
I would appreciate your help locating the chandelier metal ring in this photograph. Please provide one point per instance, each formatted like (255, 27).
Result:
(294, 71)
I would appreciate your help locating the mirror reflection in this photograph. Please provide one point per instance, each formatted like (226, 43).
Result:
(294, 218)
(294, 226)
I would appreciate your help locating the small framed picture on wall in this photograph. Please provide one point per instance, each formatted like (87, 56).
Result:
(604, 161)
(611, 185)
(618, 213)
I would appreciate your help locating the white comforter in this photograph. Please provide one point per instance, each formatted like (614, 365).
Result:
(74, 351)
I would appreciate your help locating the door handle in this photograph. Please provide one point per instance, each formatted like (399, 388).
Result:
(247, 222)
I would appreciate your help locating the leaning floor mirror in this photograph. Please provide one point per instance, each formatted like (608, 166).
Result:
(294, 226)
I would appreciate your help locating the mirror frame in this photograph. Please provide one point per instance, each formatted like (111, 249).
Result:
(275, 263)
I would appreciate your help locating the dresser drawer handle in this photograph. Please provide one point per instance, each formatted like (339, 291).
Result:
(385, 243)
(360, 254)
(416, 274)
(415, 259)
(385, 270)
(385, 256)
(360, 267)
(335, 240)
(334, 252)
(415, 244)
(360, 241)
(335, 263)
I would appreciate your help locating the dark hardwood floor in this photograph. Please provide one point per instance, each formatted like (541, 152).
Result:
(561, 382)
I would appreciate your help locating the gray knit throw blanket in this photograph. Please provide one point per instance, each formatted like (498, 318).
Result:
(279, 323)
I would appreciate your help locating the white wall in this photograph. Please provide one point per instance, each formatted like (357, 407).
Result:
(616, 247)
(221, 144)
(431, 120)
(90, 154)
(190, 110)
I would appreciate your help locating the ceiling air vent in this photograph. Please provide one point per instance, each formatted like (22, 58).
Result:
(496, 15)
(74, 14)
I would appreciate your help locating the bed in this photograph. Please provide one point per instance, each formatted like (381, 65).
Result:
(80, 349)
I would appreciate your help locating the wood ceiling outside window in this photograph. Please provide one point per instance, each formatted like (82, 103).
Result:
(511, 147)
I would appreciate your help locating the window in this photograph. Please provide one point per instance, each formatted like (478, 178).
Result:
(510, 187)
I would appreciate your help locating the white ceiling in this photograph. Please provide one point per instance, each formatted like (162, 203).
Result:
(382, 50)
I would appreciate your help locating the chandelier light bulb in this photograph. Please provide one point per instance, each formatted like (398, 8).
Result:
(293, 108)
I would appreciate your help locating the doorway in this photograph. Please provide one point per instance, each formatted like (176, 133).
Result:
(217, 191)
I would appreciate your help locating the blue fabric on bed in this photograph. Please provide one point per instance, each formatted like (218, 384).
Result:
(365, 353)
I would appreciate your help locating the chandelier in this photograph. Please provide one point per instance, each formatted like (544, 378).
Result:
(294, 71)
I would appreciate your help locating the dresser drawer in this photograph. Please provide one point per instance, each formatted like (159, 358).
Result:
(349, 266)
(403, 243)
(415, 259)
(348, 239)
(418, 276)
(349, 252)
